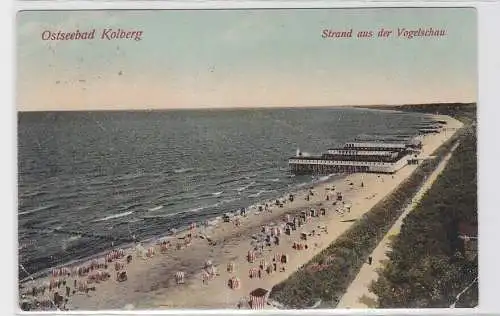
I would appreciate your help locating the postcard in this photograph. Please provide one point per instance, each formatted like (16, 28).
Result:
(247, 159)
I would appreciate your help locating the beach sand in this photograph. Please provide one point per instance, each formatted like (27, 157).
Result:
(151, 282)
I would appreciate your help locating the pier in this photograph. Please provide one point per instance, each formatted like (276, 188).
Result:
(377, 157)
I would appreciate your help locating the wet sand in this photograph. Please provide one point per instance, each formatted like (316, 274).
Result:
(151, 281)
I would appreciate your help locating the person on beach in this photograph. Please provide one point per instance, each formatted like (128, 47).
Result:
(370, 260)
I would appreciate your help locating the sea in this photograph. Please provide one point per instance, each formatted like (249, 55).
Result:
(91, 181)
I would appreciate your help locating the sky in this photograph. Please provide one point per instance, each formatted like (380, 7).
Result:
(244, 58)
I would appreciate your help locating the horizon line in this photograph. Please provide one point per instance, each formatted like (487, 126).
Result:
(371, 106)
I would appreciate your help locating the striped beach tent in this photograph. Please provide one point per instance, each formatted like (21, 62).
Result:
(274, 231)
(263, 263)
(258, 298)
(140, 251)
(212, 270)
(164, 247)
(205, 276)
(277, 256)
(118, 266)
(192, 228)
(179, 277)
(234, 283)
(288, 218)
(251, 256)
(82, 286)
(253, 273)
(230, 267)
(66, 271)
(150, 252)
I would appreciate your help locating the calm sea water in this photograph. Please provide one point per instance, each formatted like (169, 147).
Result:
(90, 179)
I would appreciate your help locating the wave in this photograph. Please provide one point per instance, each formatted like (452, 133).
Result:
(114, 216)
(31, 194)
(274, 180)
(156, 208)
(197, 209)
(243, 188)
(260, 193)
(193, 210)
(183, 170)
(38, 209)
(163, 215)
(134, 220)
(73, 238)
(201, 208)
(324, 178)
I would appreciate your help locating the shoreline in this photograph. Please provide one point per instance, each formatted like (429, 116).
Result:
(179, 231)
(150, 281)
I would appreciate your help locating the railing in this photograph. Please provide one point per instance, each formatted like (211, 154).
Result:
(361, 152)
(373, 165)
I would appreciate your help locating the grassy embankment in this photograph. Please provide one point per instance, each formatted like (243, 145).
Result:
(328, 274)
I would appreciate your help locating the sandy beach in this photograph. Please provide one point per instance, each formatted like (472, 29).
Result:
(151, 282)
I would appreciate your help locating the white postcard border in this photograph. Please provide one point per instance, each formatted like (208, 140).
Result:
(488, 151)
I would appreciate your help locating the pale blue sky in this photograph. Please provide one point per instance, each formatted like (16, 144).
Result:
(245, 58)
